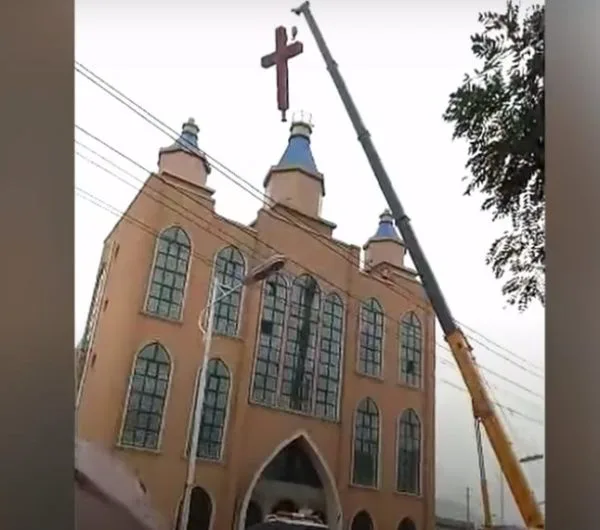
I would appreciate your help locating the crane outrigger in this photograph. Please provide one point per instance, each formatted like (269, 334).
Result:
(483, 407)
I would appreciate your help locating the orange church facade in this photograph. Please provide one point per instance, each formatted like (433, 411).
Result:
(320, 385)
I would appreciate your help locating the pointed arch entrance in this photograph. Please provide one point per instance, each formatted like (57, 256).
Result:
(294, 475)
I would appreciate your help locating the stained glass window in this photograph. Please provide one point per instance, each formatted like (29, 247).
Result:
(366, 444)
(371, 338)
(169, 274)
(409, 453)
(230, 269)
(146, 401)
(300, 346)
(411, 347)
(214, 411)
(330, 358)
(270, 340)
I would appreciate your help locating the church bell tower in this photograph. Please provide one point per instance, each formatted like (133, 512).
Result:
(295, 181)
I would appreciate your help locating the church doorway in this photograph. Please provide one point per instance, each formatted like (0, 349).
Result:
(294, 478)
(201, 508)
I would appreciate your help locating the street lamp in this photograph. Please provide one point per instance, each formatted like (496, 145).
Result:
(531, 458)
(259, 273)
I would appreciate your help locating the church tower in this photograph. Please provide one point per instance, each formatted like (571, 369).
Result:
(183, 159)
(319, 383)
(295, 181)
(385, 246)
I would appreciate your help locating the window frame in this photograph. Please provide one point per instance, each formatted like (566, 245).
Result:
(361, 331)
(153, 269)
(339, 382)
(128, 395)
(399, 443)
(376, 479)
(280, 351)
(411, 321)
(226, 301)
(227, 410)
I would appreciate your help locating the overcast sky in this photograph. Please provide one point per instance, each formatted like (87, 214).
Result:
(400, 61)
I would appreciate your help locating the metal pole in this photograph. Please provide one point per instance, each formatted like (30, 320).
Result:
(501, 498)
(199, 405)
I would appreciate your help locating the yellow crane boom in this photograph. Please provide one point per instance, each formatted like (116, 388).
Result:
(456, 339)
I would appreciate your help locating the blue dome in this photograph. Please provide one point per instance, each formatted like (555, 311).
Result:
(298, 152)
(386, 228)
(188, 142)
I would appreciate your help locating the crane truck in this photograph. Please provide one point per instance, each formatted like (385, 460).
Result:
(483, 407)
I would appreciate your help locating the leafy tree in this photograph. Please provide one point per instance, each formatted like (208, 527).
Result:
(499, 111)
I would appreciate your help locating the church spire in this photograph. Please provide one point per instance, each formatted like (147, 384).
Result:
(298, 153)
(184, 159)
(295, 180)
(386, 228)
(385, 246)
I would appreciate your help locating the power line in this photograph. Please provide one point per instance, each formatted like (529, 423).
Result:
(146, 228)
(228, 173)
(230, 239)
(500, 405)
(233, 240)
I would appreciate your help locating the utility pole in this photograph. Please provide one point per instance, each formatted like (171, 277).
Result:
(501, 498)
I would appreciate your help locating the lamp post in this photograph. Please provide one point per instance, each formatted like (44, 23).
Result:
(258, 274)
(531, 458)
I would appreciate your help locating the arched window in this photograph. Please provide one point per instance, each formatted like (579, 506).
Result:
(371, 338)
(146, 399)
(300, 346)
(169, 274)
(330, 356)
(366, 444)
(214, 411)
(362, 521)
(270, 341)
(409, 453)
(407, 524)
(411, 348)
(201, 509)
(230, 269)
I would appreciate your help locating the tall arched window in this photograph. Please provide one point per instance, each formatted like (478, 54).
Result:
(214, 411)
(366, 444)
(270, 341)
(407, 524)
(409, 453)
(300, 346)
(145, 407)
(230, 269)
(362, 521)
(330, 356)
(371, 338)
(411, 350)
(169, 274)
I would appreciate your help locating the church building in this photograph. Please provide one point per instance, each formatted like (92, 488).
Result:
(319, 389)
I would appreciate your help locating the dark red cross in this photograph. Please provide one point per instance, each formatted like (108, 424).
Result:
(280, 57)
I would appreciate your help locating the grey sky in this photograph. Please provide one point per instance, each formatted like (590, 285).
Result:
(400, 60)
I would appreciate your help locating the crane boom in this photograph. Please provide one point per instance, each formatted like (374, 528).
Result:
(457, 341)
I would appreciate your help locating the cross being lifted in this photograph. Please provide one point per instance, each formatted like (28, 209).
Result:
(279, 58)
